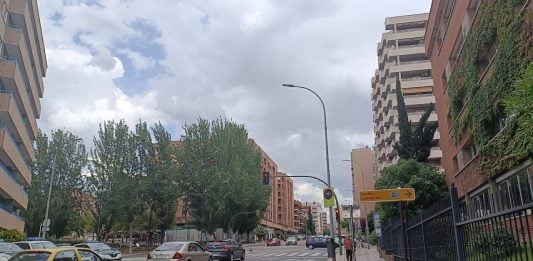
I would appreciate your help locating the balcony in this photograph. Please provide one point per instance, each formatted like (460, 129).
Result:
(10, 220)
(435, 153)
(421, 65)
(11, 116)
(419, 99)
(20, 16)
(417, 82)
(414, 117)
(407, 50)
(10, 187)
(404, 34)
(11, 77)
(10, 155)
(15, 43)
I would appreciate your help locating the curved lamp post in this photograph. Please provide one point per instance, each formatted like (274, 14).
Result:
(231, 219)
(332, 228)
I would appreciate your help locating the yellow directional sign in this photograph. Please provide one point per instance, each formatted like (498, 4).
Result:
(401, 194)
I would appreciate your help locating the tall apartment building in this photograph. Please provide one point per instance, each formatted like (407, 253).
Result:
(401, 54)
(451, 28)
(300, 216)
(279, 215)
(22, 68)
(323, 221)
(363, 177)
(316, 213)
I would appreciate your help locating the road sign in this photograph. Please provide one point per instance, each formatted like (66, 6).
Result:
(329, 195)
(401, 194)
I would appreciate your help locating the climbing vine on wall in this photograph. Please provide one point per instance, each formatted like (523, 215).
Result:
(501, 37)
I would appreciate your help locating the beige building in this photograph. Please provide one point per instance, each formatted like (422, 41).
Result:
(316, 213)
(401, 54)
(363, 177)
(22, 68)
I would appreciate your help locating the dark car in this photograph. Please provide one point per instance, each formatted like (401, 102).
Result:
(8, 249)
(225, 250)
(273, 242)
(316, 242)
(104, 250)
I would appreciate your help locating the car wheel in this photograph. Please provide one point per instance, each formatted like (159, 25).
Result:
(243, 255)
(210, 259)
(311, 247)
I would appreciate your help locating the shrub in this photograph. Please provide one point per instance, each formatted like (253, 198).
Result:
(12, 235)
(373, 238)
(496, 243)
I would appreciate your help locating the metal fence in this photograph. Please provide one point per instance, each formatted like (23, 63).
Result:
(496, 227)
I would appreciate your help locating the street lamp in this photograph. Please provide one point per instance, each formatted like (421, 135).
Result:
(231, 219)
(362, 204)
(332, 228)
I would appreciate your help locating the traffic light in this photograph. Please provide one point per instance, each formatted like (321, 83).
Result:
(337, 214)
(266, 178)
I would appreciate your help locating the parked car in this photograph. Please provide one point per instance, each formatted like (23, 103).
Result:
(104, 250)
(291, 241)
(60, 253)
(273, 242)
(7, 250)
(35, 244)
(316, 242)
(225, 250)
(180, 250)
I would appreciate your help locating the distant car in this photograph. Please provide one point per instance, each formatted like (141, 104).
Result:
(225, 250)
(291, 241)
(60, 253)
(316, 242)
(180, 250)
(273, 242)
(37, 244)
(7, 250)
(105, 251)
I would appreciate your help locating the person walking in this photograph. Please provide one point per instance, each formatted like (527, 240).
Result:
(348, 245)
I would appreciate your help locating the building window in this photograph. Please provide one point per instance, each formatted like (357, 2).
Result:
(480, 204)
(516, 190)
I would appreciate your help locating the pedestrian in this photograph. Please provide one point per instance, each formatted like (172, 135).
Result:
(348, 245)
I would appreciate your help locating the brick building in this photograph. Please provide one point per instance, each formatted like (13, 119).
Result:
(468, 94)
(363, 177)
(300, 216)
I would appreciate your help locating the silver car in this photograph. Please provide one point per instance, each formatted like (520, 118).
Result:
(180, 251)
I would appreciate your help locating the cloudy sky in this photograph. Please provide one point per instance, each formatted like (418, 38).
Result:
(175, 60)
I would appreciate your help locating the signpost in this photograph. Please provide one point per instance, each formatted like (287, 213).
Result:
(388, 195)
(384, 195)
(328, 197)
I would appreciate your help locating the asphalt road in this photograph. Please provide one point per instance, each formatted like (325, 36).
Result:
(276, 253)
(285, 253)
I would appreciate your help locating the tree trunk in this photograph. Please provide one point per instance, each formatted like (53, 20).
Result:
(131, 237)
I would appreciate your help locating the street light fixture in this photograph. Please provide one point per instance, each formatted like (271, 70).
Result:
(362, 204)
(332, 227)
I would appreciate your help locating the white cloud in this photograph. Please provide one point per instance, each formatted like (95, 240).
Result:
(223, 58)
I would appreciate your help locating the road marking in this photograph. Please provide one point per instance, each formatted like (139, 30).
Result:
(304, 254)
(316, 254)
(293, 254)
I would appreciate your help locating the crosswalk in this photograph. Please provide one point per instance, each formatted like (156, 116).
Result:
(289, 254)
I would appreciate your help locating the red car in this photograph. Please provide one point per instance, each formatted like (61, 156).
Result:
(273, 242)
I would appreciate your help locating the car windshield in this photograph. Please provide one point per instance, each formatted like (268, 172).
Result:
(291, 238)
(9, 247)
(33, 256)
(169, 247)
(100, 246)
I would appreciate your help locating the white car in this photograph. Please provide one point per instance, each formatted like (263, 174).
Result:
(104, 250)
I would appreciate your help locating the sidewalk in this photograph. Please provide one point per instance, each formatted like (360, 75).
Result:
(361, 254)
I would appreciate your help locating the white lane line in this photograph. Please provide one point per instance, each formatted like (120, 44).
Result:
(293, 254)
(316, 254)
(304, 254)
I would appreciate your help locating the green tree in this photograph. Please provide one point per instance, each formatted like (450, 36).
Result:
(310, 224)
(11, 235)
(260, 231)
(414, 144)
(63, 157)
(219, 171)
(120, 163)
(160, 186)
(427, 181)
